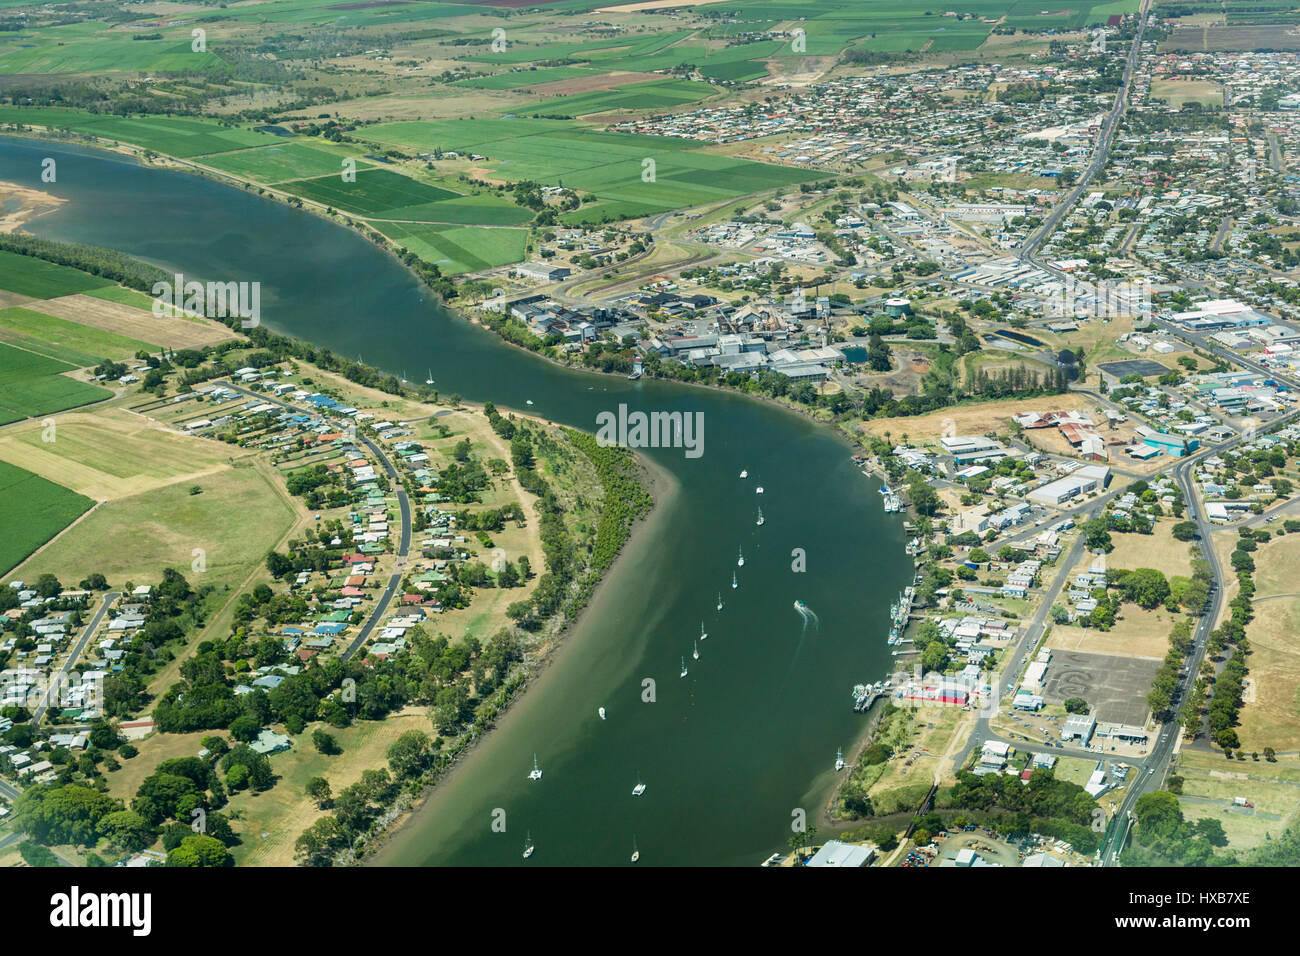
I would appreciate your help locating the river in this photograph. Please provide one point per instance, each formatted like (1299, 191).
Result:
(727, 753)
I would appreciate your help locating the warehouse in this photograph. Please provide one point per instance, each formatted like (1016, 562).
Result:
(1079, 482)
(1079, 727)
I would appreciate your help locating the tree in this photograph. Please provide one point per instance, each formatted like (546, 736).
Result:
(200, 850)
(1076, 705)
(127, 829)
(325, 743)
(318, 788)
(1146, 587)
(411, 754)
(1185, 530)
(935, 656)
(245, 728)
(1158, 816)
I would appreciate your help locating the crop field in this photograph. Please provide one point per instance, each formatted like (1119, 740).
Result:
(64, 340)
(377, 193)
(456, 249)
(32, 510)
(32, 385)
(638, 96)
(515, 79)
(43, 280)
(284, 161)
(175, 136)
(612, 166)
(84, 48)
(133, 321)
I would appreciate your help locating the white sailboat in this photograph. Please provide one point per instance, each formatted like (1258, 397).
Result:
(636, 854)
(704, 635)
(696, 653)
(734, 582)
(683, 667)
(640, 787)
(537, 771)
(429, 380)
(740, 559)
(760, 517)
(601, 711)
(719, 600)
(528, 845)
(744, 474)
(839, 760)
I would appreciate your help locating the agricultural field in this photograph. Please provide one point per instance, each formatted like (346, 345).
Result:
(32, 385)
(43, 280)
(376, 193)
(660, 94)
(517, 79)
(282, 162)
(456, 249)
(128, 317)
(64, 340)
(32, 510)
(174, 136)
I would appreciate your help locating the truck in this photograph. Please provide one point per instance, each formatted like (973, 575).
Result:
(1242, 802)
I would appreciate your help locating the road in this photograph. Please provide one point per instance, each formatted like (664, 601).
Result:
(1100, 153)
(109, 600)
(403, 505)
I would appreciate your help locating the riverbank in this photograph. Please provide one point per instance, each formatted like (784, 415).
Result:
(32, 203)
(664, 489)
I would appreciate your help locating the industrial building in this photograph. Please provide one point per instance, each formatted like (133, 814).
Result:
(1079, 482)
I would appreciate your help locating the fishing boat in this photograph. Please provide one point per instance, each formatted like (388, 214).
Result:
(601, 711)
(528, 401)
(695, 654)
(704, 636)
(839, 760)
(537, 771)
(760, 517)
(734, 582)
(683, 667)
(528, 845)
(639, 788)
(740, 559)
(636, 854)
(800, 606)
(744, 474)
(719, 600)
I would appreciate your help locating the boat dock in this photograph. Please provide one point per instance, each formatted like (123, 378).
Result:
(864, 695)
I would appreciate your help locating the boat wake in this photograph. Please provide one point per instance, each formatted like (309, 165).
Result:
(809, 616)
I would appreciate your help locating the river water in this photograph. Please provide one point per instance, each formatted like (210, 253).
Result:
(727, 753)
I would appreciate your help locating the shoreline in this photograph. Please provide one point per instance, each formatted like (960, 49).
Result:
(663, 488)
(35, 204)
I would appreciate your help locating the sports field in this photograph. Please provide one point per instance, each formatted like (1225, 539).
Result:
(32, 385)
(32, 510)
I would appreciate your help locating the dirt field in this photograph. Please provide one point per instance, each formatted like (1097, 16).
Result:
(174, 333)
(967, 420)
(1133, 636)
(1216, 38)
(1159, 550)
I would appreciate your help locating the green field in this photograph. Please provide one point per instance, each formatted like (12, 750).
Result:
(657, 94)
(456, 249)
(377, 193)
(276, 164)
(32, 385)
(43, 280)
(65, 341)
(514, 79)
(32, 510)
(174, 136)
(611, 166)
(123, 296)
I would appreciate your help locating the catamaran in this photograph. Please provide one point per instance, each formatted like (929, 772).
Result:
(760, 517)
(528, 845)
(683, 667)
(839, 760)
(740, 560)
(696, 653)
(734, 582)
(640, 787)
(537, 771)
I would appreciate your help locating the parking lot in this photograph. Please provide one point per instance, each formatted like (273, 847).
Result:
(1115, 688)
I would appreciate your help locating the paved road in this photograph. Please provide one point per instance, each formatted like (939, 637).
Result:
(109, 600)
(403, 505)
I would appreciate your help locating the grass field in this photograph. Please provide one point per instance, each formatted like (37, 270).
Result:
(1210, 784)
(174, 136)
(235, 520)
(281, 162)
(457, 249)
(43, 280)
(378, 193)
(32, 385)
(32, 510)
(66, 341)
(653, 95)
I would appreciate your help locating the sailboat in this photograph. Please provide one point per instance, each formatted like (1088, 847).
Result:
(734, 582)
(636, 854)
(839, 760)
(704, 636)
(740, 560)
(601, 711)
(683, 667)
(719, 600)
(537, 771)
(640, 787)
(429, 380)
(760, 517)
(696, 653)
(528, 845)
(744, 474)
